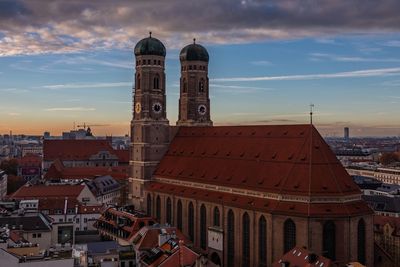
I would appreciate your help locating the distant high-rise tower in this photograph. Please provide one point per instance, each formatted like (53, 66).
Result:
(149, 126)
(346, 133)
(194, 101)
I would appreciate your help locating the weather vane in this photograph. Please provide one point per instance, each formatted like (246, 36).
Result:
(311, 112)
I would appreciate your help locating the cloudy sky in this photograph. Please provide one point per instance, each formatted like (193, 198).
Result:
(71, 61)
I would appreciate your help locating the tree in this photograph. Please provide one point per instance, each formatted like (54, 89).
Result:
(9, 166)
(388, 158)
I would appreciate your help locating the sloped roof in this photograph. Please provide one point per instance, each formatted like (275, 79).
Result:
(48, 191)
(301, 257)
(282, 159)
(30, 160)
(58, 171)
(80, 149)
(147, 237)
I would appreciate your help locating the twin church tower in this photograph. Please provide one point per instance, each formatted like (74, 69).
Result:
(150, 129)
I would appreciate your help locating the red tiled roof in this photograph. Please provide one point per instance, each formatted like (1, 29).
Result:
(300, 257)
(30, 160)
(53, 204)
(58, 171)
(380, 221)
(122, 154)
(264, 205)
(47, 191)
(284, 159)
(135, 221)
(147, 237)
(74, 149)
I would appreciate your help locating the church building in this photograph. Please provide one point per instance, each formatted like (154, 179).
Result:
(244, 195)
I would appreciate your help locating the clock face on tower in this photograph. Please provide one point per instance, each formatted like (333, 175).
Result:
(202, 109)
(157, 108)
(138, 108)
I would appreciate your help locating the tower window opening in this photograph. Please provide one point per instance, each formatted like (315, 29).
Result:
(156, 82)
(190, 67)
(195, 67)
(201, 86)
(159, 62)
(184, 85)
(138, 82)
(154, 62)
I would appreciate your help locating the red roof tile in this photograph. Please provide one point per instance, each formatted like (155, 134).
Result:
(291, 159)
(123, 155)
(74, 149)
(58, 171)
(47, 191)
(30, 160)
(301, 257)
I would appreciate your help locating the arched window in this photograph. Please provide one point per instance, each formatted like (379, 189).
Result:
(329, 240)
(201, 86)
(169, 211)
(138, 82)
(289, 235)
(231, 239)
(203, 227)
(179, 215)
(156, 82)
(262, 242)
(184, 88)
(246, 240)
(158, 208)
(149, 204)
(361, 241)
(216, 217)
(191, 221)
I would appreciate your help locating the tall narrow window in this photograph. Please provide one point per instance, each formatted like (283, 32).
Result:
(329, 240)
(203, 227)
(191, 221)
(361, 241)
(262, 242)
(156, 82)
(158, 208)
(231, 238)
(246, 240)
(289, 235)
(216, 217)
(149, 204)
(138, 82)
(201, 86)
(179, 215)
(184, 86)
(169, 211)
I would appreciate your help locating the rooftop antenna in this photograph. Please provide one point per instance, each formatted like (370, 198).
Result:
(150, 33)
(311, 112)
(194, 40)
